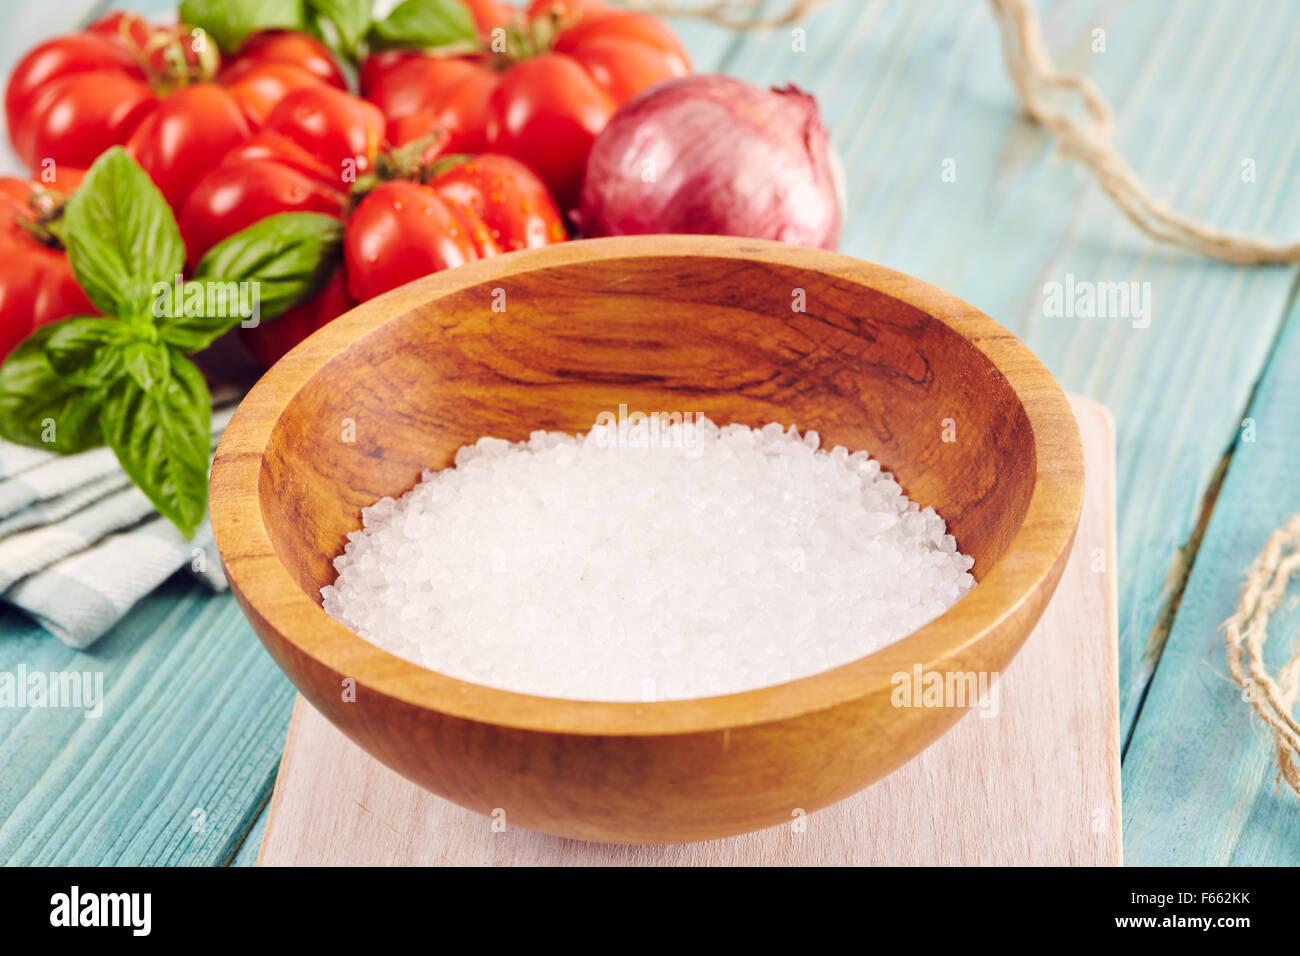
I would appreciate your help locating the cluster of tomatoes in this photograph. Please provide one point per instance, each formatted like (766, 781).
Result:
(440, 160)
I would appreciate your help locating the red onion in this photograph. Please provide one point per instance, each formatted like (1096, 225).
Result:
(713, 154)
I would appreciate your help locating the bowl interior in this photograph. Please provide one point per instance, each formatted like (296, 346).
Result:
(749, 341)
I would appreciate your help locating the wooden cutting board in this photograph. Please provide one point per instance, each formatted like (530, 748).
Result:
(1037, 783)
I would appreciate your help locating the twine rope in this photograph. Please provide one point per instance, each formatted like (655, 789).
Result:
(1246, 633)
(1091, 142)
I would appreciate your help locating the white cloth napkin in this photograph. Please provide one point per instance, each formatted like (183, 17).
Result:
(80, 545)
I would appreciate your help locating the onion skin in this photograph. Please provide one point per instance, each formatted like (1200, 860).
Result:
(718, 156)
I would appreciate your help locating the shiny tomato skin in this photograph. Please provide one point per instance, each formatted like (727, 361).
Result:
(286, 47)
(399, 82)
(238, 193)
(186, 135)
(400, 232)
(546, 113)
(332, 125)
(506, 197)
(315, 144)
(74, 118)
(272, 338)
(623, 70)
(259, 88)
(374, 67)
(130, 29)
(490, 14)
(449, 92)
(626, 27)
(274, 146)
(62, 56)
(36, 282)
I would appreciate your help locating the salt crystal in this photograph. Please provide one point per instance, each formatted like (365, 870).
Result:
(715, 561)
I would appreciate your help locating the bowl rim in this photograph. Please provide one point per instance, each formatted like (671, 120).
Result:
(273, 600)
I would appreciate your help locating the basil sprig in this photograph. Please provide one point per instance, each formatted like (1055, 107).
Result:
(123, 380)
(349, 27)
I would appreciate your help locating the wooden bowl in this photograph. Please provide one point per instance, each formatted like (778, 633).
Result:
(875, 360)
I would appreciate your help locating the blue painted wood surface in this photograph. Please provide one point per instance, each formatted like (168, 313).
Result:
(1199, 776)
(180, 766)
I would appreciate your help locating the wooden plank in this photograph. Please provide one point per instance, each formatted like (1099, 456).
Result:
(1200, 774)
(179, 764)
(251, 846)
(1036, 782)
(1197, 87)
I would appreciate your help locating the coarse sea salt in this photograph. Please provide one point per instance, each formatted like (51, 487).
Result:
(706, 561)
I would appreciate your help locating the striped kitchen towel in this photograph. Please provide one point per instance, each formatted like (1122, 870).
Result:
(80, 544)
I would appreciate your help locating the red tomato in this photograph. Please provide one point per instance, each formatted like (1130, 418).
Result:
(543, 109)
(421, 92)
(152, 45)
(273, 338)
(403, 231)
(36, 282)
(514, 205)
(335, 127)
(314, 145)
(127, 81)
(474, 207)
(546, 112)
(490, 14)
(181, 139)
(71, 98)
(286, 48)
(259, 88)
(267, 175)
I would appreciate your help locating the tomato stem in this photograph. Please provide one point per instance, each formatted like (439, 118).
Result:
(173, 46)
(404, 162)
(526, 38)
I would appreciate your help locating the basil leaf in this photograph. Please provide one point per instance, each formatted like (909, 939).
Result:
(161, 439)
(84, 352)
(425, 23)
(288, 258)
(194, 314)
(148, 364)
(121, 235)
(39, 407)
(229, 22)
(350, 19)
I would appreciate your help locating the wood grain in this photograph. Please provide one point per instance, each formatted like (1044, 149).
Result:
(1036, 783)
(1200, 780)
(873, 359)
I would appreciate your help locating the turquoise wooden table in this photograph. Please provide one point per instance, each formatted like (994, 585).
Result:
(948, 183)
